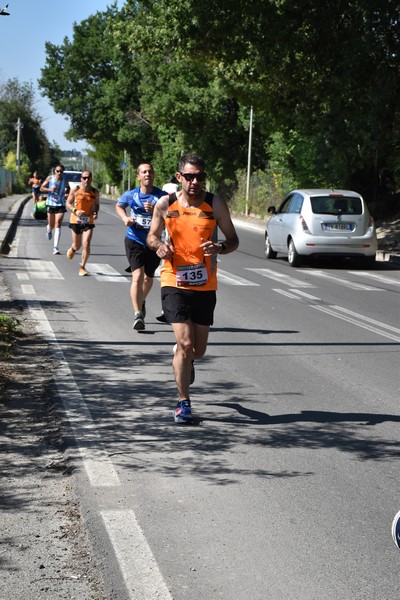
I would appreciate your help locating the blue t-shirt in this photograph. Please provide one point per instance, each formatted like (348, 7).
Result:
(135, 199)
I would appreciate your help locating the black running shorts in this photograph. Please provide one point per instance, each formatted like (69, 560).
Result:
(78, 228)
(141, 256)
(56, 209)
(181, 305)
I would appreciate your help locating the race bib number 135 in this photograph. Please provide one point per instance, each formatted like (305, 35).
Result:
(191, 275)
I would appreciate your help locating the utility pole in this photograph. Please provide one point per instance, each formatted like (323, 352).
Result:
(123, 165)
(129, 172)
(249, 162)
(18, 127)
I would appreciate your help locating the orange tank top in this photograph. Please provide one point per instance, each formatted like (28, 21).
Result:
(189, 269)
(85, 201)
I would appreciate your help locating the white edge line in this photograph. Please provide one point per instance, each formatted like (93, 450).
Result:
(139, 568)
(97, 464)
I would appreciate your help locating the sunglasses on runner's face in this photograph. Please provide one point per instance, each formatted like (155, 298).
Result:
(193, 176)
(85, 177)
(59, 171)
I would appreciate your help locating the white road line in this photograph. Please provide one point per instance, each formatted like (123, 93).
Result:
(139, 568)
(23, 276)
(106, 273)
(42, 269)
(345, 314)
(305, 295)
(349, 284)
(229, 279)
(28, 290)
(338, 312)
(97, 464)
(287, 294)
(379, 277)
(367, 319)
(281, 278)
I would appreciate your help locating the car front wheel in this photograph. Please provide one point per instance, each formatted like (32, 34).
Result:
(294, 259)
(269, 253)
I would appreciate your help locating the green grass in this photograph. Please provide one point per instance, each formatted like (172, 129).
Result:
(9, 331)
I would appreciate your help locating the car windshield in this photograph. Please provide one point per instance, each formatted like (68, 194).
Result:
(334, 205)
(75, 177)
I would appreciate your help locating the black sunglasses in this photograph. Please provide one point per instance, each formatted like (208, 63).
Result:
(85, 177)
(193, 176)
(59, 171)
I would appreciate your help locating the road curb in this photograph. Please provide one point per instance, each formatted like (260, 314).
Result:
(384, 256)
(9, 223)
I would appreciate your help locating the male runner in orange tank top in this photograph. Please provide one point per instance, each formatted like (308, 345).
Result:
(189, 272)
(84, 204)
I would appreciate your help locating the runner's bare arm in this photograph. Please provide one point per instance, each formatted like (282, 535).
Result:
(43, 187)
(96, 206)
(121, 212)
(154, 242)
(224, 222)
(70, 201)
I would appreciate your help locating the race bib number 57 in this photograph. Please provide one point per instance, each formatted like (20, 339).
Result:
(143, 221)
(191, 275)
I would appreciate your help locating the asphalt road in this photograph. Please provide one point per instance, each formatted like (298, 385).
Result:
(287, 488)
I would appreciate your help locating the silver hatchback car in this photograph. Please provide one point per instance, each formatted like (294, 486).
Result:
(321, 223)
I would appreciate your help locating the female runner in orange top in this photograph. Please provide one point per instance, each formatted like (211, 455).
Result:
(84, 204)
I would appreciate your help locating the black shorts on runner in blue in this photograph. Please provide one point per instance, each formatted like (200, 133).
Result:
(180, 305)
(141, 256)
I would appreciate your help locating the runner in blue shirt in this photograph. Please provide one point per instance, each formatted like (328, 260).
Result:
(56, 187)
(142, 261)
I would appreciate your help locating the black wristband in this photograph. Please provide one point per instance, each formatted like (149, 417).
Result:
(223, 247)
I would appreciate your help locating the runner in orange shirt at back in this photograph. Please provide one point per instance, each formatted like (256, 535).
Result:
(84, 204)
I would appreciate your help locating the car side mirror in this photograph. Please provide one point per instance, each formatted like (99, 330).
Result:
(271, 210)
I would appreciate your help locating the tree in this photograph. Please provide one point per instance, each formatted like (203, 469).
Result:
(103, 107)
(181, 95)
(160, 77)
(16, 101)
(326, 76)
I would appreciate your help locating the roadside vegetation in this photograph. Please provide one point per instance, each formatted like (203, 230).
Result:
(164, 76)
(155, 78)
(10, 331)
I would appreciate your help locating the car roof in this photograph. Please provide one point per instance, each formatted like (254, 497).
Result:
(326, 192)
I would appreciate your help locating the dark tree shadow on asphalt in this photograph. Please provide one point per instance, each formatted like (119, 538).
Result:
(133, 417)
(132, 409)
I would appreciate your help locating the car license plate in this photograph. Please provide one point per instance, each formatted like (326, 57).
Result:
(338, 226)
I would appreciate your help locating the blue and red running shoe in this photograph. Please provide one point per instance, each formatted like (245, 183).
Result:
(183, 412)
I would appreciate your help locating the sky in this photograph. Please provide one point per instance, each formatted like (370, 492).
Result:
(22, 43)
